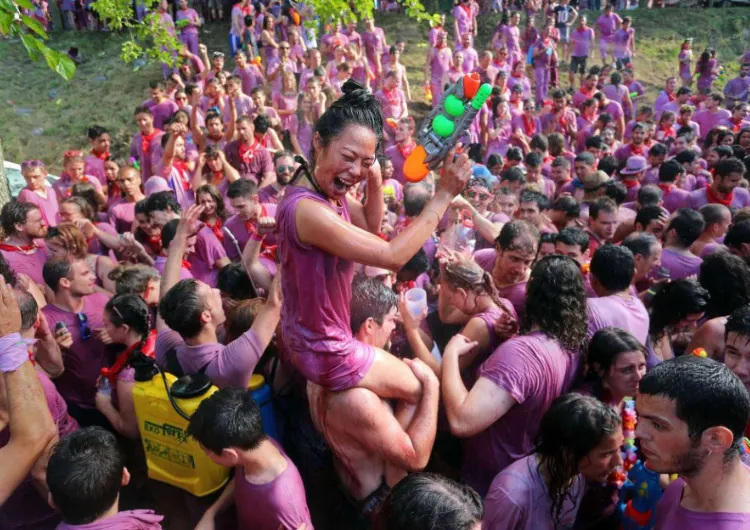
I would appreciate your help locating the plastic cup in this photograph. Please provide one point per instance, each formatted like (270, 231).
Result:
(416, 301)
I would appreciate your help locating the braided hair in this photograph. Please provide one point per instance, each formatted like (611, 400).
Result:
(131, 310)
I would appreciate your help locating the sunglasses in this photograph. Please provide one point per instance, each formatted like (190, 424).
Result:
(28, 164)
(83, 326)
(285, 169)
(217, 55)
(473, 194)
(283, 47)
(528, 108)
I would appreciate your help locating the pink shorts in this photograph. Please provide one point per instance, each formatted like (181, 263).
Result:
(335, 372)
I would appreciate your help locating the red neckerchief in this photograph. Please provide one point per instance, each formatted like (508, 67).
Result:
(588, 93)
(528, 128)
(634, 150)
(154, 243)
(247, 152)
(146, 347)
(666, 188)
(406, 150)
(216, 229)
(25, 249)
(392, 96)
(466, 8)
(266, 250)
(216, 177)
(186, 264)
(402, 287)
(440, 46)
(713, 198)
(146, 141)
(671, 96)
(101, 156)
(581, 29)
(517, 76)
(114, 189)
(562, 121)
(629, 184)
(668, 132)
(737, 124)
(182, 170)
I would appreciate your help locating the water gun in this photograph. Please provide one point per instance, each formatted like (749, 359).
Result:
(633, 95)
(638, 498)
(700, 352)
(256, 61)
(392, 123)
(428, 93)
(446, 123)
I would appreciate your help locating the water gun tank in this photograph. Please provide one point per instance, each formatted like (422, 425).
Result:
(171, 456)
(448, 121)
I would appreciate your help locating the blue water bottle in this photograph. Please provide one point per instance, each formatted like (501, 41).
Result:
(261, 393)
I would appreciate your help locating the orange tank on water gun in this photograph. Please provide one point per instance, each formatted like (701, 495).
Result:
(446, 123)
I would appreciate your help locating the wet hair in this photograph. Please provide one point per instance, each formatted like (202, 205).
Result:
(143, 110)
(55, 270)
(570, 429)
(738, 234)
(467, 275)
(228, 418)
(84, 474)
(427, 501)
(181, 307)
(242, 188)
(533, 160)
(95, 131)
(646, 215)
(613, 266)
(513, 174)
(684, 157)
(673, 302)
(518, 235)
(261, 123)
(208, 189)
(573, 237)
(28, 308)
(241, 318)
(726, 278)
(594, 142)
(132, 279)
(539, 141)
(419, 263)
(515, 154)
(670, 170)
(87, 191)
(556, 143)
(235, 283)
(615, 190)
(130, 310)
(370, 299)
(605, 205)
(356, 107)
(726, 167)
(567, 205)
(14, 213)
(688, 225)
(556, 301)
(416, 197)
(494, 159)
(608, 164)
(738, 322)
(705, 393)
(605, 346)
(70, 237)
(713, 213)
(640, 243)
(649, 195)
(161, 202)
(7, 272)
(540, 199)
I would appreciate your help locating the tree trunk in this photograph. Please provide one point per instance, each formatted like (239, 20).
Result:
(4, 186)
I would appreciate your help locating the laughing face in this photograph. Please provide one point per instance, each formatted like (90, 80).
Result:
(345, 161)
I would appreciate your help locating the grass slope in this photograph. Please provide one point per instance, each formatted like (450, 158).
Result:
(42, 115)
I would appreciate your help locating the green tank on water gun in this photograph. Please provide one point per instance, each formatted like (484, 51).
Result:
(446, 123)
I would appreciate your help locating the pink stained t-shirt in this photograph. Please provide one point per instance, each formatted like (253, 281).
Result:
(740, 198)
(279, 504)
(304, 132)
(534, 369)
(94, 166)
(285, 102)
(625, 313)
(317, 287)
(707, 120)
(251, 77)
(161, 261)
(669, 515)
(47, 206)
(608, 24)
(161, 111)
(680, 266)
(121, 216)
(227, 366)
(582, 41)
(129, 520)
(208, 250)
(30, 264)
(519, 499)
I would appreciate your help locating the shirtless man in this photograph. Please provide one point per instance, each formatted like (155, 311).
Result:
(373, 446)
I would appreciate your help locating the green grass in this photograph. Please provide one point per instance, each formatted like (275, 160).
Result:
(43, 116)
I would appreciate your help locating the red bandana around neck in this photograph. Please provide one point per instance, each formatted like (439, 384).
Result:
(184, 171)
(18, 248)
(671, 96)
(267, 250)
(186, 264)
(146, 141)
(392, 96)
(405, 149)
(147, 347)
(637, 150)
(247, 152)
(154, 243)
(101, 156)
(630, 183)
(713, 197)
(216, 229)
(529, 125)
(666, 188)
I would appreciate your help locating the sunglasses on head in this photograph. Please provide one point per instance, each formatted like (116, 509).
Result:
(28, 164)
(471, 194)
(83, 326)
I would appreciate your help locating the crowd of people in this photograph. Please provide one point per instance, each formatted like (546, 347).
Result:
(504, 344)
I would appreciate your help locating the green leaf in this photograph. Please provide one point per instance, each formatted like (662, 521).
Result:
(6, 19)
(25, 4)
(34, 25)
(32, 45)
(7, 5)
(59, 62)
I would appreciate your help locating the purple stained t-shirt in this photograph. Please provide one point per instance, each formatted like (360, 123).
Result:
(129, 520)
(227, 366)
(680, 266)
(582, 42)
(25, 508)
(29, 264)
(47, 206)
(519, 499)
(162, 111)
(84, 360)
(671, 516)
(740, 198)
(534, 369)
(625, 313)
(279, 504)
(208, 250)
(161, 261)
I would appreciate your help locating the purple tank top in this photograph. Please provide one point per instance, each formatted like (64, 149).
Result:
(317, 286)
